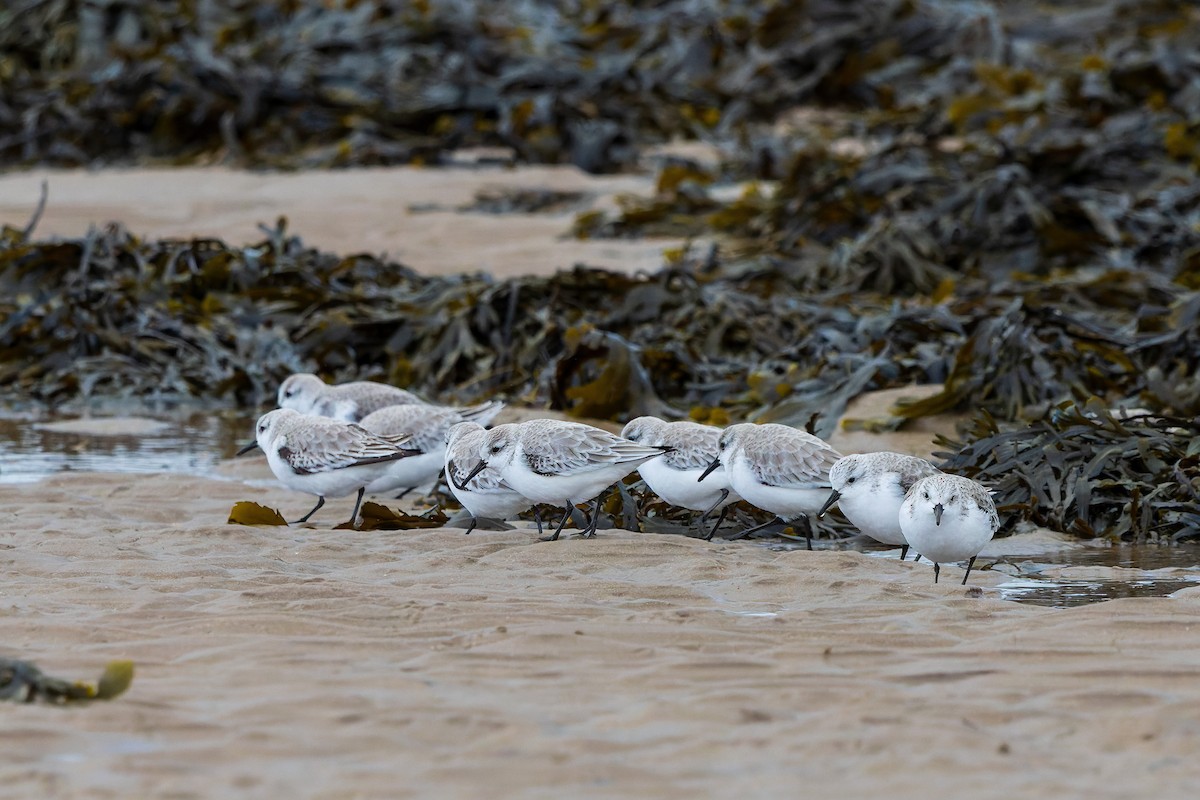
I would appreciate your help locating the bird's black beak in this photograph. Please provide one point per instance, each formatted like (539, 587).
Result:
(716, 462)
(833, 498)
(480, 467)
(937, 514)
(247, 449)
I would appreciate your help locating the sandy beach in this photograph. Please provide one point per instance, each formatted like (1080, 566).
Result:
(988, 206)
(309, 662)
(408, 213)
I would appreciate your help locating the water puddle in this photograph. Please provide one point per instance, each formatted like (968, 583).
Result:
(1067, 593)
(1072, 577)
(1094, 574)
(188, 442)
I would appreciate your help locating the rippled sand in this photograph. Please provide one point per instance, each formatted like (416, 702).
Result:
(308, 662)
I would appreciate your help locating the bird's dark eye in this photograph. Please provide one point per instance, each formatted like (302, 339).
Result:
(953, 498)
(850, 480)
(262, 428)
(289, 393)
(496, 448)
(926, 495)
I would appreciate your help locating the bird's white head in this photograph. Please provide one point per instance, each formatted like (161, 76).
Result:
(847, 473)
(499, 446)
(269, 425)
(300, 392)
(644, 430)
(938, 495)
(731, 438)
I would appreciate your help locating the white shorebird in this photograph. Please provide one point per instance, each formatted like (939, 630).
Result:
(777, 468)
(427, 425)
(485, 494)
(349, 402)
(869, 488)
(561, 463)
(674, 477)
(949, 518)
(323, 456)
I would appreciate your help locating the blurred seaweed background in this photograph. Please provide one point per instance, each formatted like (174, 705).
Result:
(998, 197)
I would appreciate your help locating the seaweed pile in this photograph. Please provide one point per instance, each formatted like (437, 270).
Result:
(1088, 471)
(111, 315)
(303, 83)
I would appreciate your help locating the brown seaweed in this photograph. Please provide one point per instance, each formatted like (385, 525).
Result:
(23, 682)
(307, 83)
(1090, 471)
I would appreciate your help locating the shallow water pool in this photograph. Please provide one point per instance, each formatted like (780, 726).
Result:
(188, 442)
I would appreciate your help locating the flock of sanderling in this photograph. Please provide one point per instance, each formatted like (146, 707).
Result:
(364, 437)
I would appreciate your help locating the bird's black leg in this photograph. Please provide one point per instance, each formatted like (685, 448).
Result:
(937, 570)
(808, 532)
(357, 503)
(720, 519)
(903, 552)
(320, 502)
(561, 523)
(703, 517)
(755, 529)
(970, 564)
(591, 531)
(537, 516)
(401, 495)
(471, 527)
(709, 510)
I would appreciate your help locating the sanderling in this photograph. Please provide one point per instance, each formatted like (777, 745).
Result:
(427, 425)
(674, 476)
(869, 488)
(948, 518)
(777, 468)
(349, 402)
(561, 463)
(485, 494)
(322, 456)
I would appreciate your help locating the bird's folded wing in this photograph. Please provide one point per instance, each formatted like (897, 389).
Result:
(576, 449)
(330, 447)
(695, 447)
(795, 464)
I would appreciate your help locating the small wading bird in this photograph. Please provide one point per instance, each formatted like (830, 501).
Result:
(427, 426)
(560, 463)
(485, 494)
(777, 468)
(869, 488)
(349, 402)
(949, 518)
(323, 456)
(674, 477)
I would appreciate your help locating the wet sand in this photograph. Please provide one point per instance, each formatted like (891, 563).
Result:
(309, 662)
